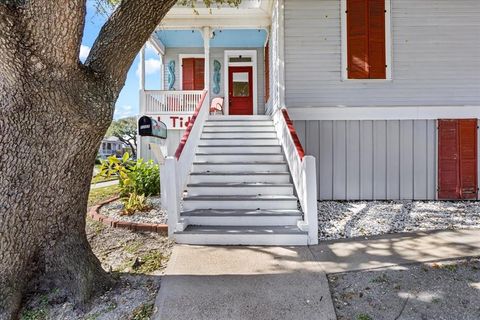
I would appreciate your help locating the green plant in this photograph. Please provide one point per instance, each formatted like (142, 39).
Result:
(140, 177)
(134, 203)
(143, 312)
(364, 317)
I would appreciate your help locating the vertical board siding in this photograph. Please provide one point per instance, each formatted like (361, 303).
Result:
(435, 50)
(372, 160)
(366, 159)
(406, 159)
(325, 158)
(353, 165)
(339, 160)
(393, 160)
(379, 160)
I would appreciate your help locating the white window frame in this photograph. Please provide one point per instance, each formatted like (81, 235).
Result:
(388, 43)
(180, 68)
(253, 64)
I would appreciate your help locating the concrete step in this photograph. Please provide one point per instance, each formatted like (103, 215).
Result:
(245, 118)
(239, 123)
(240, 135)
(228, 235)
(239, 141)
(239, 157)
(240, 166)
(213, 217)
(239, 177)
(270, 149)
(248, 189)
(231, 128)
(240, 202)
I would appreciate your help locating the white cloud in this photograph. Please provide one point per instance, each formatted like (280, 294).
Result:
(152, 66)
(84, 51)
(124, 111)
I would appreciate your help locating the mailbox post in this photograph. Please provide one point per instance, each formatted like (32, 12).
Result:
(156, 132)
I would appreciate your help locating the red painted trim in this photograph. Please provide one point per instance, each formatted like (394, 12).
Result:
(182, 143)
(293, 133)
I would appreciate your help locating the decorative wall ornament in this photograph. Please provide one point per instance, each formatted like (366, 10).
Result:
(216, 76)
(171, 75)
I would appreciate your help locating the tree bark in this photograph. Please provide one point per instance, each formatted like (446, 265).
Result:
(54, 112)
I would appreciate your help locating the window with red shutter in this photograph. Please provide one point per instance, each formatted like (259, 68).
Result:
(193, 74)
(366, 53)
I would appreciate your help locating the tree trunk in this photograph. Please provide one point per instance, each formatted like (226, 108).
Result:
(54, 112)
(48, 153)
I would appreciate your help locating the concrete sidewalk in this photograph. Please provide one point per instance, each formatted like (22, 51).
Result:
(396, 249)
(244, 283)
(288, 282)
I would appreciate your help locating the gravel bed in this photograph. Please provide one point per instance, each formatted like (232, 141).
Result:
(349, 219)
(155, 215)
(440, 291)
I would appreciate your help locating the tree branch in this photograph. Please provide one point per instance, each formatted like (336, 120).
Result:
(123, 35)
(54, 29)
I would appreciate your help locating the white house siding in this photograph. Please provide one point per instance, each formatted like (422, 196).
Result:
(372, 160)
(173, 139)
(217, 54)
(436, 55)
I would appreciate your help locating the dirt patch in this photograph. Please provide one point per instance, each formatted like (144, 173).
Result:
(441, 291)
(136, 260)
(350, 219)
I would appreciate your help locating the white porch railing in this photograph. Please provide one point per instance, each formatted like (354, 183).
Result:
(303, 171)
(177, 168)
(160, 101)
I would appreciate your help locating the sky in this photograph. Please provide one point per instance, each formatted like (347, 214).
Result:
(127, 103)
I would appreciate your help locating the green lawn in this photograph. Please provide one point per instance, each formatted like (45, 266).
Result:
(101, 194)
(97, 179)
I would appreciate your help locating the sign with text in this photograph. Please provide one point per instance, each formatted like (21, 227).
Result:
(174, 121)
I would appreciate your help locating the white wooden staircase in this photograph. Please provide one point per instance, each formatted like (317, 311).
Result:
(239, 189)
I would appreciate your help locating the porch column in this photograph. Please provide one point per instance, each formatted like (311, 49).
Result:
(206, 45)
(141, 98)
(142, 68)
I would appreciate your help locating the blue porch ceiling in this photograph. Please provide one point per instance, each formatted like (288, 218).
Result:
(226, 38)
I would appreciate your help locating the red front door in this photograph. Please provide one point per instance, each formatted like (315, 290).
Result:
(240, 90)
(457, 159)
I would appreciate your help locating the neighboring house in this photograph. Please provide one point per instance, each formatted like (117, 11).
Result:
(111, 146)
(385, 94)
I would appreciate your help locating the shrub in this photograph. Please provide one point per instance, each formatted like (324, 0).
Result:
(135, 203)
(135, 177)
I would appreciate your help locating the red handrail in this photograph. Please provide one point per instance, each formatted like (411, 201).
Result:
(293, 133)
(185, 136)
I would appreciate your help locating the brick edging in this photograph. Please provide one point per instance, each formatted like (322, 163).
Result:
(94, 213)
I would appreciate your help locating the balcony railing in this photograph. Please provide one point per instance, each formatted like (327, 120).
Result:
(160, 101)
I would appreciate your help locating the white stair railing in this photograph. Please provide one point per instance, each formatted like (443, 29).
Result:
(303, 171)
(177, 168)
(162, 101)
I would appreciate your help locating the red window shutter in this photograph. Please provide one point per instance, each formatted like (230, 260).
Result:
(188, 70)
(448, 159)
(468, 158)
(357, 39)
(193, 74)
(199, 76)
(376, 39)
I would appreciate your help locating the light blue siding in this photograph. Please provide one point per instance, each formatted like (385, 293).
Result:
(436, 55)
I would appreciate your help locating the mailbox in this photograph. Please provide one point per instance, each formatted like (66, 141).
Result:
(148, 127)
